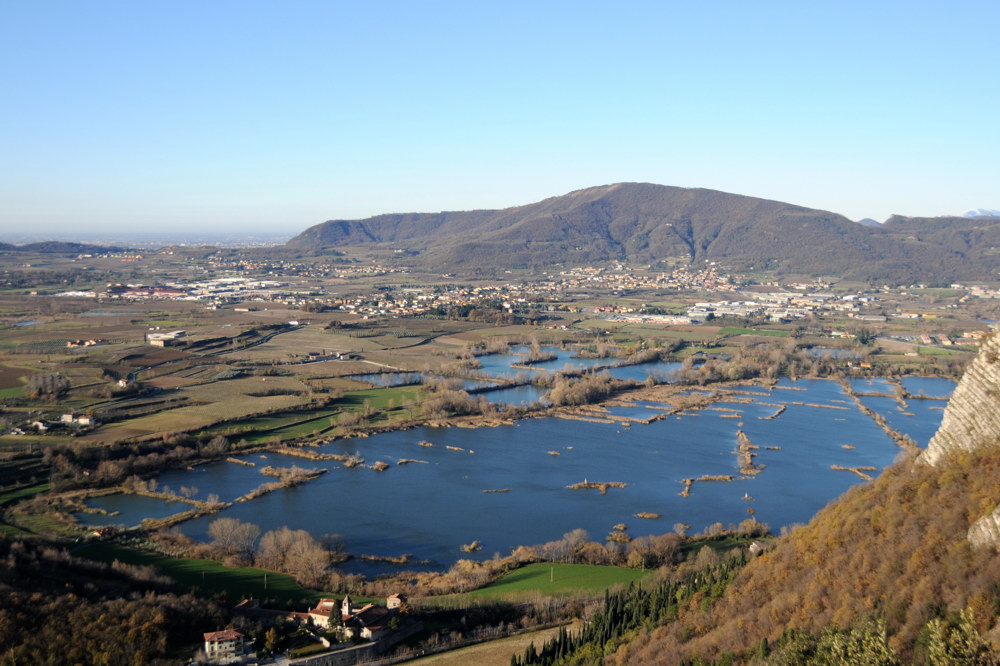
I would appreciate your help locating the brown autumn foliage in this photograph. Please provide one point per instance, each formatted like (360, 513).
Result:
(895, 548)
(60, 609)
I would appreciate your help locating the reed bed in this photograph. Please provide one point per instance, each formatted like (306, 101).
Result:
(599, 485)
(781, 410)
(860, 471)
(745, 452)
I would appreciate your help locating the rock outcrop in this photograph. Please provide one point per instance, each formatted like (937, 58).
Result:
(986, 530)
(972, 421)
(972, 417)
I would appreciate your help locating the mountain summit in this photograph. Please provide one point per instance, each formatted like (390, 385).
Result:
(981, 212)
(644, 223)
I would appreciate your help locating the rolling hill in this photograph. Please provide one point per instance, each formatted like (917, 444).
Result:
(642, 223)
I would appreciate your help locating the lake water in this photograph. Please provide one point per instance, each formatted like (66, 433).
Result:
(430, 508)
(503, 366)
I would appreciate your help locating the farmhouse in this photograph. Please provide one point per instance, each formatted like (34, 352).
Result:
(82, 419)
(370, 622)
(164, 339)
(224, 645)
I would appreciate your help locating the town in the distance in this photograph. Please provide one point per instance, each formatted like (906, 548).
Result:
(199, 439)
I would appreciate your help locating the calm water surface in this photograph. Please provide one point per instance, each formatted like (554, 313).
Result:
(431, 507)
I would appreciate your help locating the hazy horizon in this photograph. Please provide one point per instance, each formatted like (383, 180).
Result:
(268, 119)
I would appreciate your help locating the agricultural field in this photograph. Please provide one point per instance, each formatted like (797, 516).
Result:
(207, 577)
(277, 368)
(556, 580)
(491, 653)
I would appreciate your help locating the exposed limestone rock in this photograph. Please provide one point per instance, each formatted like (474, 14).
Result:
(972, 418)
(986, 530)
(972, 421)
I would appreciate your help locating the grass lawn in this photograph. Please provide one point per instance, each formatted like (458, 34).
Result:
(29, 442)
(559, 579)
(45, 525)
(380, 397)
(728, 330)
(21, 493)
(938, 351)
(206, 577)
(11, 531)
(270, 424)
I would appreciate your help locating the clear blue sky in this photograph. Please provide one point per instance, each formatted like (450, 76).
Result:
(274, 116)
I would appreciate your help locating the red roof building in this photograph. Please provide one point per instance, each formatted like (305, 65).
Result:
(223, 645)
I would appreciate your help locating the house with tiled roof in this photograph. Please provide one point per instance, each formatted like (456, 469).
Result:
(324, 611)
(221, 646)
(369, 622)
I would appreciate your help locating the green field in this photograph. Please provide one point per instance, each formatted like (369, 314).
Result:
(559, 580)
(938, 351)
(207, 577)
(280, 427)
(21, 493)
(732, 330)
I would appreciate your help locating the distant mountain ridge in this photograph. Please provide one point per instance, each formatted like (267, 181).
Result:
(981, 212)
(643, 223)
(58, 247)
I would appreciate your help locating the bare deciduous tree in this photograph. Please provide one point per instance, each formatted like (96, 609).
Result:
(231, 536)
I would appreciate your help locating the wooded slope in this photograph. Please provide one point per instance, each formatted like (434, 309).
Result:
(642, 223)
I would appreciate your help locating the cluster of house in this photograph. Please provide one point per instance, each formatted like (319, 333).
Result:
(369, 622)
(143, 292)
(966, 339)
(42, 427)
(621, 278)
(782, 306)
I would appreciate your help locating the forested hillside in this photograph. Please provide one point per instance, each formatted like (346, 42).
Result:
(58, 609)
(649, 224)
(891, 560)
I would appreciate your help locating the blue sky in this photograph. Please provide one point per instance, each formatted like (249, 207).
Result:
(274, 116)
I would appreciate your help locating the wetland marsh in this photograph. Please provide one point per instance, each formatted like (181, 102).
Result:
(428, 510)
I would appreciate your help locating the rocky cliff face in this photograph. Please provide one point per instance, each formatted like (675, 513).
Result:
(972, 421)
(986, 530)
(972, 418)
